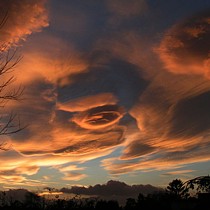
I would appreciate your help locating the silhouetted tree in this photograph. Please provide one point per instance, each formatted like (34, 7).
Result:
(204, 184)
(32, 201)
(141, 200)
(112, 204)
(130, 204)
(201, 184)
(90, 203)
(177, 189)
(101, 205)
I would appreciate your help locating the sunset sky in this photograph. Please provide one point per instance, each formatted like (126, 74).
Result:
(113, 89)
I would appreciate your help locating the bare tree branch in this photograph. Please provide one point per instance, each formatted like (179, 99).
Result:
(9, 123)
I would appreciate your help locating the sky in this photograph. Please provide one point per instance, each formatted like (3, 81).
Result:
(113, 90)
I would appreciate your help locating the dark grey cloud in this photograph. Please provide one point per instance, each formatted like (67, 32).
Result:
(90, 18)
(119, 77)
(191, 116)
(137, 149)
(112, 188)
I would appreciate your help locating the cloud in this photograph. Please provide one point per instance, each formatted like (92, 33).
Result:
(82, 129)
(85, 143)
(12, 179)
(191, 116)
(22, 19)
(105, 76)
(164, 159)
(88, 102)
(73, 176)
(17, 170)
(18, 181)
(51, 58)
(133, 47)
(99, 117)
(184, 48)
(127, 9)
(71, 172)
(137, 149)
(60, 135)
(46, 177)
(179, 172)
(69, 168)
(90, 92)
(112, 188)
(167, 98)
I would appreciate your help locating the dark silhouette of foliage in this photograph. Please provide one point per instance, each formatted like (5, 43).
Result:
(173, 198)
(177, 189)
(201, 184)
(130, 204)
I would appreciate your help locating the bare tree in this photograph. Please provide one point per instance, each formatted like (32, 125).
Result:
(9, 122)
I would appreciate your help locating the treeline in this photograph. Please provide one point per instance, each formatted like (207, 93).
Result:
(190, 195)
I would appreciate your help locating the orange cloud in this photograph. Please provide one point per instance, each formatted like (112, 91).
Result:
(167, 90)
(137, 148)
(69, 168)
(14, 168)
(87, 102)
(28, 170)
(71, 172)
(50, 193)
(179, 172)
(76, 144)
(22, 19)
(99, 117)
(160, 161)
(86, 144)
(73, 176)
(184, 48)
(17, 169)
(50, 58)
(12, 179)
(134, 48)
(64, 137)
(98, 88)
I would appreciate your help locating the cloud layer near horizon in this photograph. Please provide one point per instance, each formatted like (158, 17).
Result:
(119, 89)
(112, 188)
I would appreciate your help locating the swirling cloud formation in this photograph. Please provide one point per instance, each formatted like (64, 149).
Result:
(100, 90)
(99, 117)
